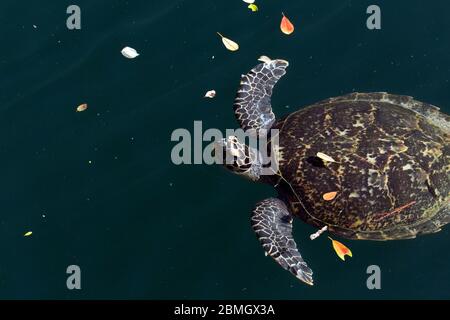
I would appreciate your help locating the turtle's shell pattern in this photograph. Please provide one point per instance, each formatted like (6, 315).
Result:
(392, 169)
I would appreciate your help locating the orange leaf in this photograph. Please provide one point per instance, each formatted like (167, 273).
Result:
(329, 195)
(286, 26)
(341, 250)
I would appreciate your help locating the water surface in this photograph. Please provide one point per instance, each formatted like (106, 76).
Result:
(98, 189)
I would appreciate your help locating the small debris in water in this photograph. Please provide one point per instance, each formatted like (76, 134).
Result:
(210, 94)
(129, 53)
(82, 107)
(28, 233)
(318, 233)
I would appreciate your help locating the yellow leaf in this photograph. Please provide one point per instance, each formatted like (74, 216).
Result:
(324, 157)
(341, 250)
(253, 7)
(27, 234)
(229, 44)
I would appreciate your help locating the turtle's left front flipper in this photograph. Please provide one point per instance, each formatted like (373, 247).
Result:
(252, 106)
(272, 222)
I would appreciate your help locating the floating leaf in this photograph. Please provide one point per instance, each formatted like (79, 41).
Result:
(27, 234)
(329, 196)
(129, 53)
(325, 157)
(341, 250)
(210, 94)
(229, 44)
(253, 7)
(249, 1)
(82, 107)
(286, 26)
(264, 59)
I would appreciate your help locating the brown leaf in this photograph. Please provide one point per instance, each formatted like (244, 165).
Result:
(82, 107)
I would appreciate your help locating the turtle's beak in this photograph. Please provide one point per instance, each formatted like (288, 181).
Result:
(228, 151)
(225, 151)
(220, 151)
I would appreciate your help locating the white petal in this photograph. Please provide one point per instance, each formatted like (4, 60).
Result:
(129, 53)
(210, 94)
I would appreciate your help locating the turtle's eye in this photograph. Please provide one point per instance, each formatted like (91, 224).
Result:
(233, 154)
(315, 161)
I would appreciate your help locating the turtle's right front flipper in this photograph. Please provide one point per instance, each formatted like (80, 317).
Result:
(272, 222)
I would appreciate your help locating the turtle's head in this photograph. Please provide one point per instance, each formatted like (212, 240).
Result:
(238, 157)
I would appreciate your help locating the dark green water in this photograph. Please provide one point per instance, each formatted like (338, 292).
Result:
(141, 227)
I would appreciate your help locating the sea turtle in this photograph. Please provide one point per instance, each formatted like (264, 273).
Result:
(385, 157)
